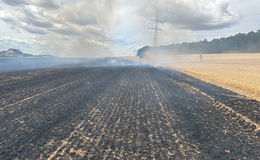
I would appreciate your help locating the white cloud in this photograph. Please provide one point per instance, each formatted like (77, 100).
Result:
(113, 26)
(191, 15)
(48, 4)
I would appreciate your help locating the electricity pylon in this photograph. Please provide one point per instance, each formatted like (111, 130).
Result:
(156, 29)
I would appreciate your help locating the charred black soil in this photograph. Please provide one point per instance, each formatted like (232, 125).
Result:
(136, 112)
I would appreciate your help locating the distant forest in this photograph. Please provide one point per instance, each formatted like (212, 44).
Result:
(240, 43)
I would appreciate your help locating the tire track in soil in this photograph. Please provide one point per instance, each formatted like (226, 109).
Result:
(216, 134)
(241, 104)
(243, 121)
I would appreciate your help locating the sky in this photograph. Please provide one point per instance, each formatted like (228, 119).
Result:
(97, 28)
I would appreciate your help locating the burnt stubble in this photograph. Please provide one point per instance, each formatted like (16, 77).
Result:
(131, 112)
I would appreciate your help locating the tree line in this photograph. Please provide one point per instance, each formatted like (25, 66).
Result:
(239, 43)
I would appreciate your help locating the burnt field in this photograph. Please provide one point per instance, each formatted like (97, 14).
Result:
(131, 112)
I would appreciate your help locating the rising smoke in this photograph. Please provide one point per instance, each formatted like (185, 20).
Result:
(87, 28)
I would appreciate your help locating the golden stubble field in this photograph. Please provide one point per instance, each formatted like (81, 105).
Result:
(239, 72)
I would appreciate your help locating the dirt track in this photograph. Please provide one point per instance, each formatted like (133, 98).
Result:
(123, 113)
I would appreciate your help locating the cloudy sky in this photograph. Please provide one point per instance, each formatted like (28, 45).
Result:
(84, 28)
